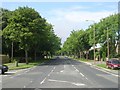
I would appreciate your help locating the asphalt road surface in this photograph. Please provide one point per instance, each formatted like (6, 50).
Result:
(60, 73)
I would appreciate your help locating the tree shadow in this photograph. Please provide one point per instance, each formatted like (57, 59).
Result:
(61, 61)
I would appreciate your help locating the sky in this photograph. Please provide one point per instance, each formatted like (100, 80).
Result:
(68, 16)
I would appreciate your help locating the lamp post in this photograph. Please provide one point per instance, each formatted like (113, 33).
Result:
(94, 38)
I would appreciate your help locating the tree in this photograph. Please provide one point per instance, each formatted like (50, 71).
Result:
(6, 14)
(19, 28)
(77, 43)
(31, 33)
(106, 33)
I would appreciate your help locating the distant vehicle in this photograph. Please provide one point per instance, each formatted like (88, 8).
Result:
(113, 64)
(3, 69)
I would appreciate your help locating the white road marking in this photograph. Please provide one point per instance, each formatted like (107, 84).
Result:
(86, 78)
(18, 74)
(61, 71)
(76, 69)
(27, 71)
(31, 81)
(79, 71)
(24, 86)
(51, 71)
(54, 68)
(48, 75)
(82, 74)
(64, 66)
(5, 75)
(43, 81)
(77, 84)
(108, 72)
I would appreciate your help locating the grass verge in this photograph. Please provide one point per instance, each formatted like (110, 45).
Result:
(102, 65)
(82, 59)
(24, 65)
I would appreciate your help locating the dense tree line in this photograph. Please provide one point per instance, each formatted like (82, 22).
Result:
(26, 33)
(106, 32)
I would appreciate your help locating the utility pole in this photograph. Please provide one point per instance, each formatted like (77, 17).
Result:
(108, 51)
(93, 39)
(119, 43)
(94, 43)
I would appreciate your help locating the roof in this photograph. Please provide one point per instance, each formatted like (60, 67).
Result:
(98, 46)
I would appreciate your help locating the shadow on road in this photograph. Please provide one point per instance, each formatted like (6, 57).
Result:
(61, 61)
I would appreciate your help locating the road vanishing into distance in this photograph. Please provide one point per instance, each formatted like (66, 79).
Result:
(60, 72)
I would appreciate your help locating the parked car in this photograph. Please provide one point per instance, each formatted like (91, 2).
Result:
(3, 69)
(113, 64)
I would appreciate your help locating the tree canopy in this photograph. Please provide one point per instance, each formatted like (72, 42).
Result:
(107, 30)
(28, 32)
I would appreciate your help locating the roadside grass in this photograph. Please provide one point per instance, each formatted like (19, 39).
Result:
(82, 59)
(24, 65)
(102, 65)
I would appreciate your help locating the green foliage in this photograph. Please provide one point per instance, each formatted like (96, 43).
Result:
(111, 24)
(77, 42)
(82, 40)
(29, 32)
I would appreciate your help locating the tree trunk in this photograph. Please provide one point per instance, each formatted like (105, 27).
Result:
(26, 56)
(16, 63)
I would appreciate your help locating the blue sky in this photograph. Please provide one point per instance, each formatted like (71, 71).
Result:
(66, 16)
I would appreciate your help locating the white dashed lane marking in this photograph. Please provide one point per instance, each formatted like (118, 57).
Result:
(43, 81)
(51, 71)
(79, 71)
(82, 74)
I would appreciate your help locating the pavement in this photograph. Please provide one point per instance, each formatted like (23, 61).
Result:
(60, 73)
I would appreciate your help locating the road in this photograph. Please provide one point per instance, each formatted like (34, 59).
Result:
(60, 73)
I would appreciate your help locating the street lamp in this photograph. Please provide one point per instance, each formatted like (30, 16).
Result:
(93, 37)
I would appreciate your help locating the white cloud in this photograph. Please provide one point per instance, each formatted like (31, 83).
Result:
(78, 16)
(65, 20)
